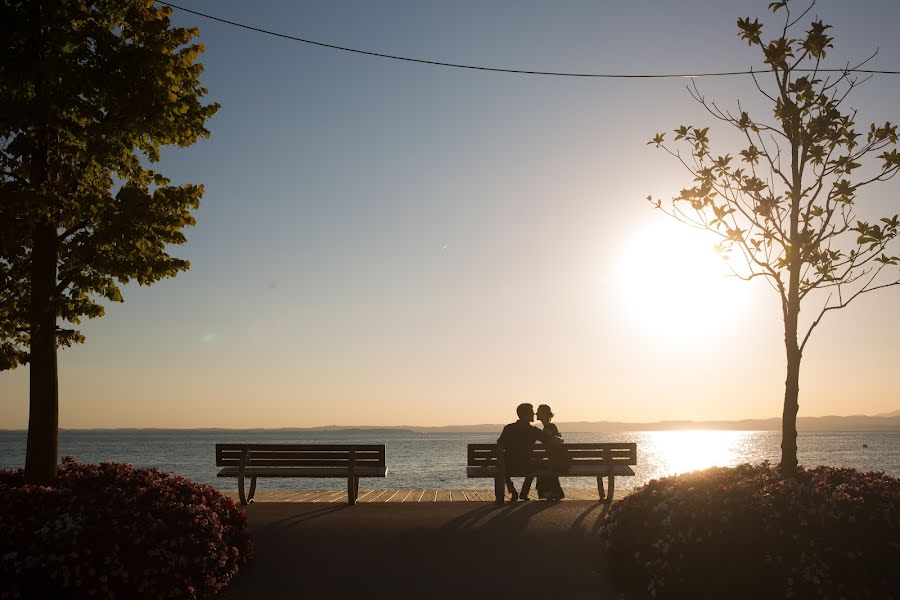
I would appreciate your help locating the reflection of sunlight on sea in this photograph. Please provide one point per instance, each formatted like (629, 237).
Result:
(673, 452)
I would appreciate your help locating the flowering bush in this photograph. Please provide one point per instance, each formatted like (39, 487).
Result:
(748, 532)
(111, 530)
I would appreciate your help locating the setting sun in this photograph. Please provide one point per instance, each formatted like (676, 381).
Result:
(674, 283)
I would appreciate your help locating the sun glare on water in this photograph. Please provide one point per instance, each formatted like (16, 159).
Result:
(682, 451)
(674, 284)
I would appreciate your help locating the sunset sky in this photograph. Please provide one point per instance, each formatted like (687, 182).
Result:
(389, 243)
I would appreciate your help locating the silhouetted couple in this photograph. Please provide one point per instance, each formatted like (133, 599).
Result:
(517, 442)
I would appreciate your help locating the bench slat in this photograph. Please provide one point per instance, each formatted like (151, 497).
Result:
(625, 460)
(303, 454)
(573, 451)
(302, 447)
(617, 470)
(301, 472)
(599, 453)
(574, 445)
(300, 462)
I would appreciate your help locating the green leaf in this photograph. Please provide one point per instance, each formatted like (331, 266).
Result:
(750, 31)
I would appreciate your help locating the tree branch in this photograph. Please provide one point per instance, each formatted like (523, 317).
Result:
(841, 304)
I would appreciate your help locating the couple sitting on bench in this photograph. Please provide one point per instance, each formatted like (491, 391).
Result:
(517, 441)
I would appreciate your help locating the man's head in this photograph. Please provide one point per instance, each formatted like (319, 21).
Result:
(525, 412)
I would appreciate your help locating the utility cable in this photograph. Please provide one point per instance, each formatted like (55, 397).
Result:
(437, 63)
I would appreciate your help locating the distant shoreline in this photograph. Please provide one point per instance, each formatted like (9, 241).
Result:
(804, 424)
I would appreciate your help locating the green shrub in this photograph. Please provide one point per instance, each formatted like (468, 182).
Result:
(113, 531)
(748, 532)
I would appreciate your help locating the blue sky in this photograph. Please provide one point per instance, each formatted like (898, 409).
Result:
(383, 242)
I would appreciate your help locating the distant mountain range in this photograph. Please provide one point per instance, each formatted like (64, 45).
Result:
(881, 422)
(886, 422)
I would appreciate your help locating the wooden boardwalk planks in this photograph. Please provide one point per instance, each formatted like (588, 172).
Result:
(421, 495)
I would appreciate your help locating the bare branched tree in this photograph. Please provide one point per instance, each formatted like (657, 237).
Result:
(785, 210)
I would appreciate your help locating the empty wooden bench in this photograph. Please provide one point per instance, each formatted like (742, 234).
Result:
(587, 460)
(346, 461)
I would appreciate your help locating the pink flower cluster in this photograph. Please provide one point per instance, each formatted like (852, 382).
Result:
(114, 531)
(749, 532)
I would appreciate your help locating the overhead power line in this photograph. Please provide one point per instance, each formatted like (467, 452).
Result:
(438, 63)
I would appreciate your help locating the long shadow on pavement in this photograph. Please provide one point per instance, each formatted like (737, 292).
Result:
(427, 550)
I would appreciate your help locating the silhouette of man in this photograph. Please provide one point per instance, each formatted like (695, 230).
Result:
(517, 440)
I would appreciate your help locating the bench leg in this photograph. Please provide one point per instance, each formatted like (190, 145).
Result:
(612, 489)
(241, 493)
(245, 460)
(499, 490)
(252, 489)
(351, 491)
(600, 488)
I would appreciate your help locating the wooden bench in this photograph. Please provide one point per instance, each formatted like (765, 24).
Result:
(587, 460)
(350, 461)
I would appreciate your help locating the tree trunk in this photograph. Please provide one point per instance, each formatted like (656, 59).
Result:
(792, 381)
(791, 304)
(43, 416)
(43, 411)
(791, 407)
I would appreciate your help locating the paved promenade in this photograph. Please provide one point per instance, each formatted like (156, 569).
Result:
(425, 550)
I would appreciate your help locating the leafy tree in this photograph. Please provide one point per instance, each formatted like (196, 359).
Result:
(784, 207)
(89, 92)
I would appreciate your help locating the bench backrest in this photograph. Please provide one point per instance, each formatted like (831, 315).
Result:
(582, 455)
(300, 455)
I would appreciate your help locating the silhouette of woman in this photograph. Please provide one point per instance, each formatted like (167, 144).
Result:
(548, 486)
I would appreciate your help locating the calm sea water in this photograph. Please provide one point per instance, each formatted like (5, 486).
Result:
(437, 460)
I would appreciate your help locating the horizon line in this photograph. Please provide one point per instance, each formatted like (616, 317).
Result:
(413, 427)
